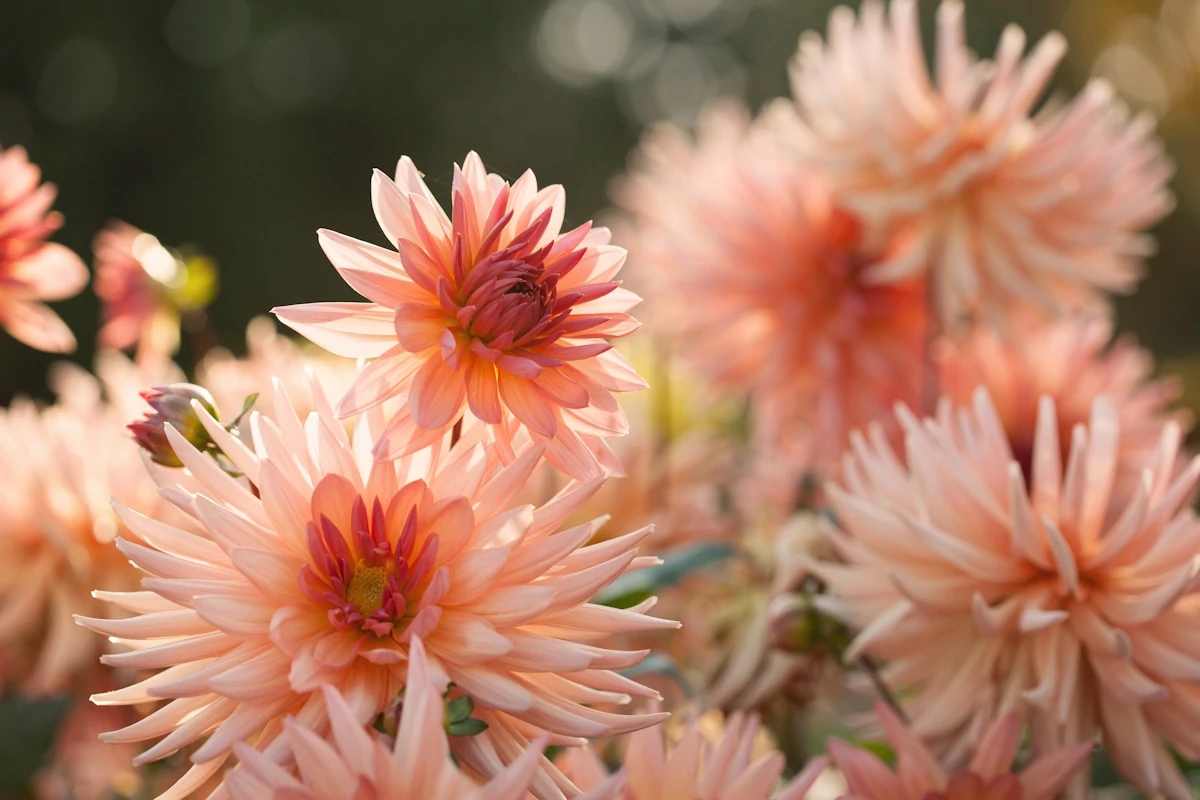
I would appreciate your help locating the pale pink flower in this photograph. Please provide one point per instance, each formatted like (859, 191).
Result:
(755, 276)
(1073, 361)
(491, 308)
(698, 767)
(1004, 207)
(131, 266)
(987, 592)
(59, 468)
(317, 566)
(988, 776)
(33, 270)
(353, 764)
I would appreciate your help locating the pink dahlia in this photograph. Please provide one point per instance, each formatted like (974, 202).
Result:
(756, 276)
(491, 308)
(130, 268)
(987, 591)
(33, 270)
(1005, 208)
(317, 566)
(353, 764)
(1073, 361)
(698, 767)
(59, 467)
(988, 776)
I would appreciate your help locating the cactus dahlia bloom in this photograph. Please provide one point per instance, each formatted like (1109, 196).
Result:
(988, 776)
(697, 768)
(59, 468)
(756, 276)
(1074, 362)
(989, 591)
(492, 308)
(354, 764)
(1003, 207)
(318, 566)
(33, 270)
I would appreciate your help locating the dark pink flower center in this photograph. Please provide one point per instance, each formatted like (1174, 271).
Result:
(365, 580)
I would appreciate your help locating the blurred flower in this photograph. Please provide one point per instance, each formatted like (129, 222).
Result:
(1005, 209)
(695, 767)
(1073, 362)
(755, 276)
(989, 776)
(318, 567)
(491, 308)
(61, 466)
(270, 358)
(987, 596)
(33, 270)
(144, 287)
(172, 405)
(354, 764)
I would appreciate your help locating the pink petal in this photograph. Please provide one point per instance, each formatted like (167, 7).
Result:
(482, 395)
(373, 272)
(52, 272)
(420, 326)
(527, 404)
(382, 379)
(37, 326)
(353, 330)
(437, 394)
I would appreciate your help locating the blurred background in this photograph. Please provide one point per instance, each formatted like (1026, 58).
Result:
(244, 126)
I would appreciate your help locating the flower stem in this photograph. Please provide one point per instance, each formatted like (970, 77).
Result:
(868, 665)
(456, 433)
(930, 380)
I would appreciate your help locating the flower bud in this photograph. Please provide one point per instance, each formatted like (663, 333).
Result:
(173, 405)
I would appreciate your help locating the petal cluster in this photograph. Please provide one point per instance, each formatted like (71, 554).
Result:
(988, 776)
(1005, 207)
(699, 767)
(351, 763)
(492, 308)
(988, 592)
(318, 567)
(756, 276)
(32, 270)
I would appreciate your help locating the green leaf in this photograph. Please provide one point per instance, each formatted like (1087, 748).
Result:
(246, 406)
(880, 750)
(634, 587)
(27, 729)
(467, 727)
(459, 709)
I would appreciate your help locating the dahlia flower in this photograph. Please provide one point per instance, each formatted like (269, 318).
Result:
(988, 592)
(319, 567)
(989, 776)
(60, 466)
(355, 764)
(756, 276)
(1072, 361)
(131, 266)
(697, 768)
(32, 269)
(1003, 207)
(491, 308)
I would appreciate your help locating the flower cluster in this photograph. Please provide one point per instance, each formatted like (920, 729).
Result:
(890, 446)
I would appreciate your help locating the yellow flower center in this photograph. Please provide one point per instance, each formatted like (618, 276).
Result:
(366, 588)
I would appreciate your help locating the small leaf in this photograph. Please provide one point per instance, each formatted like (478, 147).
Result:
(246, 406)
(27, 730)
(467, 727)
(459, 709)
(880, 750)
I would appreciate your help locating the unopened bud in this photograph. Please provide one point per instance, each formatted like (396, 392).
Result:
(173, 405)
(794, 623)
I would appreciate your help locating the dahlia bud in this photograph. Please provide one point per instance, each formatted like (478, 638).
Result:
(173, 404)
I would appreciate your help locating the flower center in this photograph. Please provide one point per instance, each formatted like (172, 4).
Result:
(367, 574)
(366, 588)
